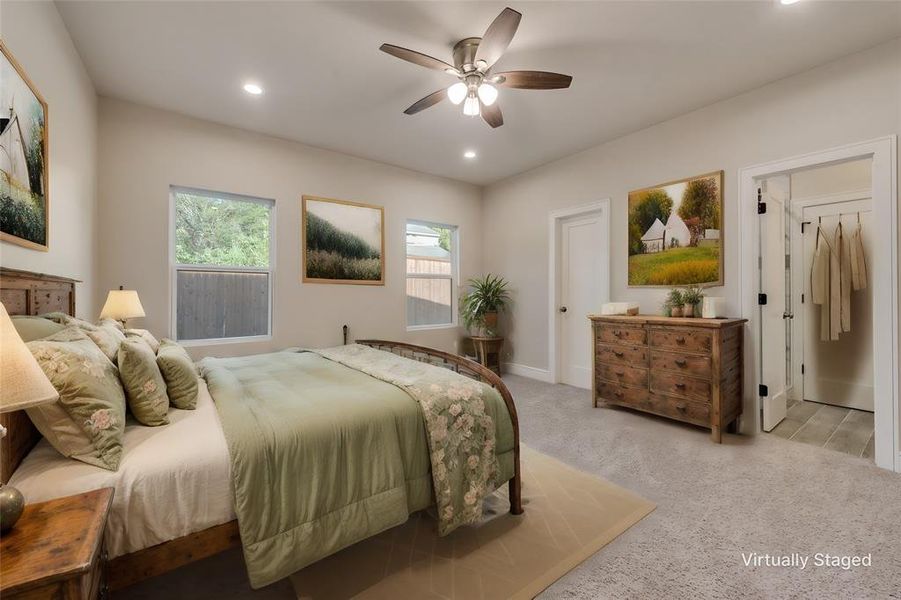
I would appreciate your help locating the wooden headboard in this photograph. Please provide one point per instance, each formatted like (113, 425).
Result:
(27, 293)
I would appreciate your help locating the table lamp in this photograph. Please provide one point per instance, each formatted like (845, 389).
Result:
(122, 305)
(22, 385)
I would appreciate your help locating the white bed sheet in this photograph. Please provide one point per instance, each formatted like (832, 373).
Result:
(173, 480)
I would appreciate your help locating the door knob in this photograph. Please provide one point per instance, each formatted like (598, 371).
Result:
(562, 309)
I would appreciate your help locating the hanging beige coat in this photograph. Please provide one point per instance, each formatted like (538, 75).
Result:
(858, 259)
(843, 247)
(819, 282)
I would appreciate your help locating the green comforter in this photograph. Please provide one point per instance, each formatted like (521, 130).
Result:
(323, 455)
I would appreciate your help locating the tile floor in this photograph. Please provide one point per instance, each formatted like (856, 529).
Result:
(843, 429)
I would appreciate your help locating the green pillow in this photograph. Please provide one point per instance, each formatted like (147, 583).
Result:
(35, 328)
(107, 336)
(112, 323)
(145, 389)
(180, 374)
(88, 421)
(144, 335)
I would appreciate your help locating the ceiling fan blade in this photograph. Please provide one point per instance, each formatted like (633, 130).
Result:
(498, 36)
(492, 115)
(417, 58)
(532, 80)
(424, 103)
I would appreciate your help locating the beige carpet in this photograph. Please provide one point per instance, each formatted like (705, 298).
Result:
(569, 515)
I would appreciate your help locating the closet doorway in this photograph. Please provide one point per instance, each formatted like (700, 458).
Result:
(817, 321)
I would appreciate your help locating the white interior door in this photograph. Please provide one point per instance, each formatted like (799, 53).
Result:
(775, 315)
(581, 293)
(837, 372)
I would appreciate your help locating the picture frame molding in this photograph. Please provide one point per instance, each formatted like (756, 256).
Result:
(721, 174)
(303, 242)
(8, 237)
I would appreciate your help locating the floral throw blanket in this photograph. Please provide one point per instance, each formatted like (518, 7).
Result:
(461, 435)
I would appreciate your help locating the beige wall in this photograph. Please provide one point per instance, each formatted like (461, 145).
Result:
(143, 151)
(36, 36)
(850, 100)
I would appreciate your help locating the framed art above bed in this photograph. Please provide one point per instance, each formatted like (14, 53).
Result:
(24, 169)
(343, 241)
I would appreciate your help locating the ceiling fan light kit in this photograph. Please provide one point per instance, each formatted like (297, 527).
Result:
(473, 60)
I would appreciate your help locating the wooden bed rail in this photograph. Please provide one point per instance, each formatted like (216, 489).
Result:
(473, 370)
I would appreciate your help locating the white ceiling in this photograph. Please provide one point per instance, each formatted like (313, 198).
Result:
(326, 83)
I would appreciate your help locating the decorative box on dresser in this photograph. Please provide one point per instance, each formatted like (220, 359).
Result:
(687, 369)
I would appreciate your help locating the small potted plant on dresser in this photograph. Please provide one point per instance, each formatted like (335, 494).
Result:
(479, 306)
(691, 301)
(672, 307)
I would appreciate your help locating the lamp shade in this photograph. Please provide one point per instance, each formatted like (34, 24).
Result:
(122, 304)
(22, 382)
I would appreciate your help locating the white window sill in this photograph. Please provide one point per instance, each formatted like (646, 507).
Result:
(431, 327)
(223, 341)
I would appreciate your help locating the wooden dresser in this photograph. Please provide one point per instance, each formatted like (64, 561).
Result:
(690, 370)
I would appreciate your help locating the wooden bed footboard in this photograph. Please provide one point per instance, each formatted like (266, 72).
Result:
(471, 369)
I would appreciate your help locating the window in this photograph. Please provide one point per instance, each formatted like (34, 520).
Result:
(222, 265)
(431, 275)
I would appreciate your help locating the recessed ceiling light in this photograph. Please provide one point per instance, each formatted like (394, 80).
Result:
(252, 88)
(469, 154)
(789, 1)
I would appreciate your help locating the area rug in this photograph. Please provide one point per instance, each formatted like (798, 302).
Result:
(569, 515)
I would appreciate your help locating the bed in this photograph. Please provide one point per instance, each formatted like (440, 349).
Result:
(174, 492)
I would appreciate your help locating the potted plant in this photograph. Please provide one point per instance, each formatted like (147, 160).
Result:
(674, 302)
(479, 306)
(691, 298)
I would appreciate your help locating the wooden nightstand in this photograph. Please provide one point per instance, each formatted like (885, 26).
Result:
(56, 549)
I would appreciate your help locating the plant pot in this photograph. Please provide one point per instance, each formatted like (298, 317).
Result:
(489, 323)
(676, 311)
(688, 310)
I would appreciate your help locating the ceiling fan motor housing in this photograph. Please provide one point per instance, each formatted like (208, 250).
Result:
(465, 53)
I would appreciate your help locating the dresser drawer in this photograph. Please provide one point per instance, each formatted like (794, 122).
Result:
(619, 394)
(627, 355)
(622, 334)
(675, 384)
(682, 339)
(618, 373)
(688, 364)
(681, 409)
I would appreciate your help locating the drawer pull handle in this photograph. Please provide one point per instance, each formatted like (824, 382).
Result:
(680, 385)
(620, 373)
(617, 354)
(617, 333)
(680, 340)
(680, 362)
(618, 394)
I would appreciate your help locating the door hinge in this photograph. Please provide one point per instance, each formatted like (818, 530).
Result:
(802, 298)
(763, 390)
(761, 299)
(802, 368)
(761, 205)
(803, 223)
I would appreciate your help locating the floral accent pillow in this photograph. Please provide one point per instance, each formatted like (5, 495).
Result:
(180, 374)
(107, 335)
(144, 335)
(88, 421)
(145, 389)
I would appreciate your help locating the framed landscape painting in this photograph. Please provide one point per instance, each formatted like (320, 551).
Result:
(343, 242)
(24, 202)
(675, 233)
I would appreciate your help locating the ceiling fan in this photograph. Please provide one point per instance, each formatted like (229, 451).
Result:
(473, 59)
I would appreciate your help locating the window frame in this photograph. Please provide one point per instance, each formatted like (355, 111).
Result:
(175, 267)
(454, 276)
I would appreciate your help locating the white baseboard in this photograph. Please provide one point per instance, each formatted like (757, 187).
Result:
(527, 371)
